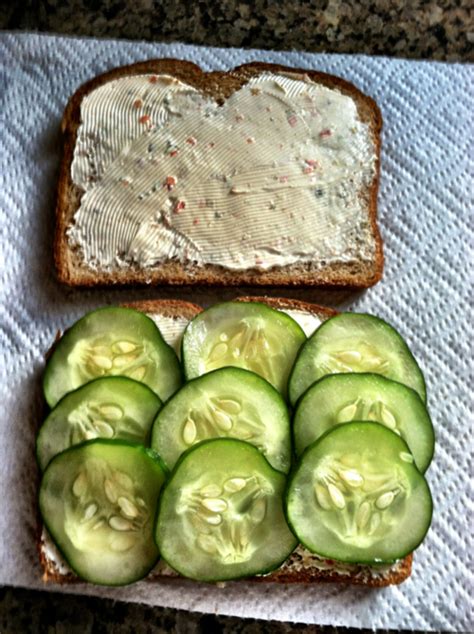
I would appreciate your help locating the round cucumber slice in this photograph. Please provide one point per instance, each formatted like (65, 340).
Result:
(247, 335)
(113, 407)
(352, 342)
(111, 341)
(228, 403)
(221, 513)
(356, 496)
(98, 501)
(341, 398)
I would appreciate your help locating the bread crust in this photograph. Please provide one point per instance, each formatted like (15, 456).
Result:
(220, 85)
(290, 304)
(286, 573)
(173, 308)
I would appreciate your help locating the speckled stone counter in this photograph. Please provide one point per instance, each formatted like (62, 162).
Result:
(23, 611)
(421, 29)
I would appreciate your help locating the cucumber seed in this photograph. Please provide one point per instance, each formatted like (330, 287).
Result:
(234, 484)
(80, 484)
(387, 417)
(110, 491)
(223, 421)
(384, 500)
(362, 515)
(128, 508)
(258, 511)
(189, 432)
(90, 511)
(215, 505)
(124, 346)
(214, 520)
(104, 429)
(351, 477)
(347, 413)
(229, 406)
(211, 491)
(120, 523)
(322, 497)
(218, 351)
(111, 412)
(336, 496)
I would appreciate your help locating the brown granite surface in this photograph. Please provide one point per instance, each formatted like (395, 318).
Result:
(25, 611)
(420, 29)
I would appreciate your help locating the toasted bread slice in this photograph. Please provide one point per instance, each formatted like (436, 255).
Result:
(358, 263)
(172, 317)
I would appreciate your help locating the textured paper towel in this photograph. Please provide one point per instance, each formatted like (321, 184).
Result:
(425, 201)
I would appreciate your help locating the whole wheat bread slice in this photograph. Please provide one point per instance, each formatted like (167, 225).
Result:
(71, 268)
(301, 566)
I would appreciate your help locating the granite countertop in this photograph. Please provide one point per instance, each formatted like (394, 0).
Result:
(23, 611)
(420, 29)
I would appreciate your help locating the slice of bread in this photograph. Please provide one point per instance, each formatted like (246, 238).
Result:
(347, 253)
(302, 566)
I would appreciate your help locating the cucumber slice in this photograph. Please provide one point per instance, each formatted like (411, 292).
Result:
(221, 513)
(112, 407)
(352, 342)
(357, 496)
(111, 342)
(247, 335)
(228, 403)
(98, 501)
(341, 398)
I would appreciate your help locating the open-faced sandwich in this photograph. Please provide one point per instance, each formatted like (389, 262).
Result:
(261, 438)
(262, 175)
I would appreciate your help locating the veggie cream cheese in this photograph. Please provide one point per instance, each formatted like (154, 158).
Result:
(272, 177)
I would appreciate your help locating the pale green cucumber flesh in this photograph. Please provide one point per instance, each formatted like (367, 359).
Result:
(228, 403)
(341, 398)
(356, 496)
(113, 407)
(352, 342)
(98, 501)
(111, 341)
(248, 335)
(221, 513)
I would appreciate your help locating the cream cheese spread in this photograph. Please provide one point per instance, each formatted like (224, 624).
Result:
(307, 321)
(171, 328)
(272, 177)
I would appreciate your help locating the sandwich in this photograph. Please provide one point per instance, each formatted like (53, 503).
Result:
(183, 327)
(261, 175)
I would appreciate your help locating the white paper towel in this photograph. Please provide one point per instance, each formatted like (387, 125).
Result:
(425, 202)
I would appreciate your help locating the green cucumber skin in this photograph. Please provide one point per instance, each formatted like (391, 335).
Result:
(328, 378)
(247, 376)
(168, 483)
(327, 322)
(110, 379)
(369, 561)
(257, 305)
(69, 335)
(153, 456)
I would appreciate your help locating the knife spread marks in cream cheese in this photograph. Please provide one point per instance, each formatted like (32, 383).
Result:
(274, 176)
